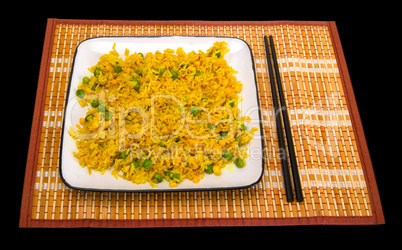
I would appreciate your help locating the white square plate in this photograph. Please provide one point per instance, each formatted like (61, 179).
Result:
(239, 57)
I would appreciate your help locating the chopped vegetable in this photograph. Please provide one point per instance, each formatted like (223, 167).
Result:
(122, 155)
(147, 164)
(80, 93)
(97, 72)
(195, 111)
(209, 170)
(95, 103)
(85, 80)
(102, 108)
(239, 162)
(227, 155)
(135, 80)
(108, 116)
(175, 176)
(157, 178)
(197, 73)
(137, 163)
(239, 141)
(88, 118)
(94, 124)
(223, 134)
(117, 69)
(174, 73)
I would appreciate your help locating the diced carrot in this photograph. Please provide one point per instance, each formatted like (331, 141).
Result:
(94, 124)
(196, 179)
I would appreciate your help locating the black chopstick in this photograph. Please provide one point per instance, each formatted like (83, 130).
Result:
(283, 154)
(285, 117)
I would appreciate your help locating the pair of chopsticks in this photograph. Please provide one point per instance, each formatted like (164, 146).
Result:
(278, 108)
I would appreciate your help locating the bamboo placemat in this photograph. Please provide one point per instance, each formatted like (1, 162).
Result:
(337, 177)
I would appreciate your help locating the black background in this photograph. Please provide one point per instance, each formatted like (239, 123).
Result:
(366, 35)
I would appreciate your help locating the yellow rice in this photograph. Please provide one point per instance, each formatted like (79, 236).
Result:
(162, 116)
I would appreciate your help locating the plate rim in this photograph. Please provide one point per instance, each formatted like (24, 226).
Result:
(150, 189)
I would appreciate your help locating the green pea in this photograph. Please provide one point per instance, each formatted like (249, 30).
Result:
(80, 93)
(174, 73)
(102, 108)
(123, 155)
(162, 71)
(137, 85)
(239, 141)
(223, 134)
(239, 162)
(243, 127)
(227, 155)
(147, 164)
(197, 73)
(157, 178)
(85, 80)
(175, 176)
(137, 163)
(117, 69)
(195, 111)
(108, 116)
(97, 72)
(209, 170)
(95, 103)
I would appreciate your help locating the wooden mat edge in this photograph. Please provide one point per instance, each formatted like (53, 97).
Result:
(25, 218)
(361, 142)
(202, 222)
(27, 193)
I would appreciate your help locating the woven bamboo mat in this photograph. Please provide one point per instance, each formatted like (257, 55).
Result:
(336, 173)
